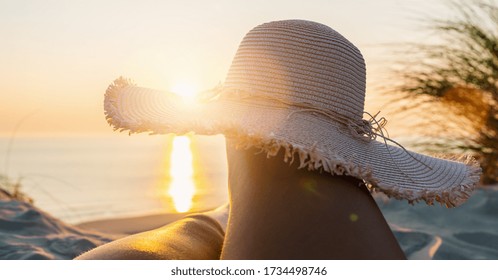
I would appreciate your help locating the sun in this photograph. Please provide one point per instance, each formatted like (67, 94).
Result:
(186, 90)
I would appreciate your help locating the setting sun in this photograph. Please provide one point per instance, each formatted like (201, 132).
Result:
(182, 187)
(186, 90)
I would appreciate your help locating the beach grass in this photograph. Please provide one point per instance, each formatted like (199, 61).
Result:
(11, 189)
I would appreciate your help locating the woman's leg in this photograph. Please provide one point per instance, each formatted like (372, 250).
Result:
(280, 212)
(198, 236)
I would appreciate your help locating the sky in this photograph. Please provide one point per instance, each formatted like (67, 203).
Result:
(58, 57)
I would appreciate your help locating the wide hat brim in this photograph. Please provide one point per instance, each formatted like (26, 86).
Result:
(313, 140)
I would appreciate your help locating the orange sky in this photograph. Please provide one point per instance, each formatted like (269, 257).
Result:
(57, 57)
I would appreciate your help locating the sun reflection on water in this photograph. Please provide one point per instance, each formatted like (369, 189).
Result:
(182, 186)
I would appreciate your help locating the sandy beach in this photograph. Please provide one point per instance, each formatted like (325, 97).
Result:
(27, 232)
(131, 225)
(424, 232)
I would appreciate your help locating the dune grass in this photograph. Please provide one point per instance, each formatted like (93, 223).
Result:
(458, 73)
(12, 189)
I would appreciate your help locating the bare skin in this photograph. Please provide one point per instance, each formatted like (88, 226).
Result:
(191, 238)
(276, 212)
(281, 212)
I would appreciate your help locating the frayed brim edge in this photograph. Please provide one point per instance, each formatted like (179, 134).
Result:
(309, 158)
(313, 160)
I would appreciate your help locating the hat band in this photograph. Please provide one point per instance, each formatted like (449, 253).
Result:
(366, 130)
(361, 129)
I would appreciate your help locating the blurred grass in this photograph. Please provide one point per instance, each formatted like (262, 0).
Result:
(12, 189)
(452, 84)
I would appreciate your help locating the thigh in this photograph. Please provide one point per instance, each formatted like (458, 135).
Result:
(193, 237)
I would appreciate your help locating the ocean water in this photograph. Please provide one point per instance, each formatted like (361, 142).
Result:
(78, 179)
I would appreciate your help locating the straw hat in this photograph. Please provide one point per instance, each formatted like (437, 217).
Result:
(298, 86)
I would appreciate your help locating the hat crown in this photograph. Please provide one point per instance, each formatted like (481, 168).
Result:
(301, 62)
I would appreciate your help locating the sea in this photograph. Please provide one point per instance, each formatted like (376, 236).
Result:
(78, 179)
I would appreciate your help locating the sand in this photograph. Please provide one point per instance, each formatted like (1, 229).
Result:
(27, 232)
(424, 232)
(434, 232)
(131, 225)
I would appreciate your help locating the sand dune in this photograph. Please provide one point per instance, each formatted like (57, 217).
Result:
(26, 232)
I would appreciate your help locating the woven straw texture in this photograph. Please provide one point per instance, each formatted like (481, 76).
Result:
(298, 86)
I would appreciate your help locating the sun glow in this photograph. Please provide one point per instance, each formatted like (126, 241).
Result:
(186, 90)
(182, 186)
